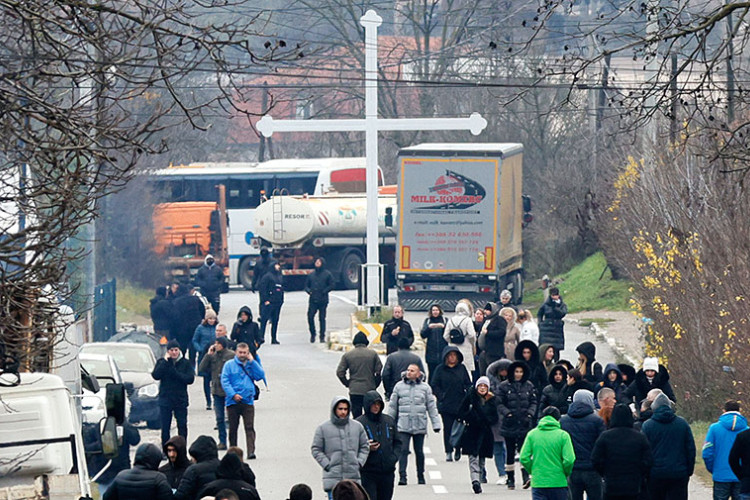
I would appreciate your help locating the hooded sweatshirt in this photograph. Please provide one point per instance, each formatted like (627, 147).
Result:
(382, 429)
(229, 476)
(719, 440)
(671, 441)
(246, 331)
(622, 455)
(584, 427)
(362, 364)
(271, 287)
(340, 447)
(450, 383)
(206, 456)
(548, 454)
(556, 393)
(174, 471)
(616, 386)
(143, 480)
(537, 373)
(592, 369)
(319, 283)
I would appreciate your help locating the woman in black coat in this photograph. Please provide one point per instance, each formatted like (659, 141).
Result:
(622, 456)
(432, 332)
(479, 412)
(491, 338)
(517, 403)
(556, 393)
(449, 385)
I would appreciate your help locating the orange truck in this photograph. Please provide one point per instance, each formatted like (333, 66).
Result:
(185, 232)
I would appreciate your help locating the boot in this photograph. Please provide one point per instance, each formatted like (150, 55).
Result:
(420, 479)
(526, 479)
(402, 481)
(449, 457)
(511, 480)
(312, 338)
(322, 340)
(476, 487)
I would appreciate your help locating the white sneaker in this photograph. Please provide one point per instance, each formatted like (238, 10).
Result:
(503, 480)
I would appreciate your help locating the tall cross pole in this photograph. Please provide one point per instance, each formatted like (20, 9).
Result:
(371, 125)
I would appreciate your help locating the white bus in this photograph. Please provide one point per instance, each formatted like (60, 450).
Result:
(247, 185)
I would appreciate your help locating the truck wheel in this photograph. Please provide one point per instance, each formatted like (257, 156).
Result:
(350, 270)
(246, 273)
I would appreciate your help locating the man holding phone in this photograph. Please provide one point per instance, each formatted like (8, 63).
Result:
(175, 373)
(378, 473)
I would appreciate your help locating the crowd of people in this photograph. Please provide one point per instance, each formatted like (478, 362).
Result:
(492, 382)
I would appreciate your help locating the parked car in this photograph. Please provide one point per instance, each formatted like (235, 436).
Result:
(142, 337)
(135, 363)
(104, 368)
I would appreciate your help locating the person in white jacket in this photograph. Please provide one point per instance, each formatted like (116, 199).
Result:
(529, 329)
(463, 322)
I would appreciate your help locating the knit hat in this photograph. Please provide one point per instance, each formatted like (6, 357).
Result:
(360, 339)
(661, 400)
(172, 344)
(651, 364)
(482, 380)
(223, 341)
(584, 396)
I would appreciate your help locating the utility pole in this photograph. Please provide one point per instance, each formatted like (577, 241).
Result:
(264, 110)
(730, 67)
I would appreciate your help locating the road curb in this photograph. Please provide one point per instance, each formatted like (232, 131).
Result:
(601, 333)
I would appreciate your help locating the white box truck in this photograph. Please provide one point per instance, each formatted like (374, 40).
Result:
(461, 212)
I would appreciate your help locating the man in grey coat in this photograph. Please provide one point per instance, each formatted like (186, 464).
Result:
(410, 404)
(364, 369)
(340, 446)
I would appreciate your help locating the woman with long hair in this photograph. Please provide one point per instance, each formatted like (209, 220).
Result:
(203, 338)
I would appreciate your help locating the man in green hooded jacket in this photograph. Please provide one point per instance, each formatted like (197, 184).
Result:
(548, 455)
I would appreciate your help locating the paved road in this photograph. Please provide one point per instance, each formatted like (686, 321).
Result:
(302, 383)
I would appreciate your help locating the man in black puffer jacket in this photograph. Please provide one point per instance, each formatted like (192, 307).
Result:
(449, 385)
(378, 473)
(229, 476)
(584, 427)
(202, 472)
(673, 447)
(622, 455)
(143, 481)
(318, 285)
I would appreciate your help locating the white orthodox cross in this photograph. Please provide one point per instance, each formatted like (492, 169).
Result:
(371, 125)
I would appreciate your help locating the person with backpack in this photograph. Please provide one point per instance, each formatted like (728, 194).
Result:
(432, 333)
(459, 332)
(271, 289)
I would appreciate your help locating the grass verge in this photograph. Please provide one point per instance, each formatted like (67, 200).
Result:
(700, 429)
(589, 287)
(132, 303)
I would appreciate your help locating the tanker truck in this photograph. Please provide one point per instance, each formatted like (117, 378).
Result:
(332, 226)
(461, 214)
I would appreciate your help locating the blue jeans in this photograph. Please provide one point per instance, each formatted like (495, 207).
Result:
(498, 451)
(725, 491)
(220, 423)
(549, 493)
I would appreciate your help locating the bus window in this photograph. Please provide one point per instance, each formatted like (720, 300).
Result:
(243, 193)
(297, 185)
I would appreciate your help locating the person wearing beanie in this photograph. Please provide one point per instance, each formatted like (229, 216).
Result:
(174, 373)
(210, 280)
(450, 384)
(340, 446)
(213, 363)
(517, 403)
(394, 329)
(378, 473)
(651, 376)
(396, 364)
(318, 285)
(432, 333)
(161, 313)
(410, 405)
(143, 480)
(479, 412)
(359, 370)
(719, 440)
(548, 454)
(673, 448)
(622, 456)
(584, 427)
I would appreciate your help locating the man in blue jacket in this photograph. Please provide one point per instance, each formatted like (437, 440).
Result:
(584, 427)
(719, 440)
(238, 381)
(673, 448)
